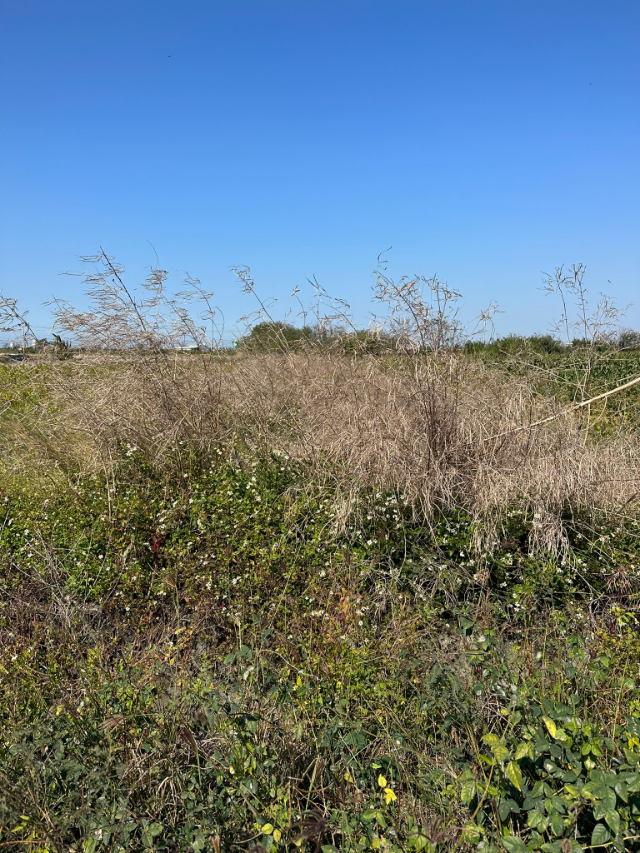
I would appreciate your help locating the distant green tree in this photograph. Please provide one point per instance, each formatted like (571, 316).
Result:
(364, 342)
(629, 339)
(276, 336)
(522, 344)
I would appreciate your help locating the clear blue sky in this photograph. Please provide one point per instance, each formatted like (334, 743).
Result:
(485, 140)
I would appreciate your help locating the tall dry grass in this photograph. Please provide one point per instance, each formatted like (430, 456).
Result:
(441, 428)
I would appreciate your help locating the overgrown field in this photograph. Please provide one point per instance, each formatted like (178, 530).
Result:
(218, 635)
(326, 593)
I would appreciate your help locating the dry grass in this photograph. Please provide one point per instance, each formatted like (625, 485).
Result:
(440, 429)
(419, 416)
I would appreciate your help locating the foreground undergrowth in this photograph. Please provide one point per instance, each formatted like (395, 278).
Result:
(214, 654)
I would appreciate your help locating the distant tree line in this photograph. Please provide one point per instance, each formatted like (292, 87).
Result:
(276, 336)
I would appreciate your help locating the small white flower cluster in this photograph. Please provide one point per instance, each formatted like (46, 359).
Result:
(320, 614)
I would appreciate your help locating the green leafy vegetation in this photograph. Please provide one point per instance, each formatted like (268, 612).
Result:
(201, 655)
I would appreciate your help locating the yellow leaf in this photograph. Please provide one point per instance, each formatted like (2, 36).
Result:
(298, 682)
(514, 774)
(277, 835)
(382, 781)
(389, 796)
(551, 726)
(348, 777)
(267, 828)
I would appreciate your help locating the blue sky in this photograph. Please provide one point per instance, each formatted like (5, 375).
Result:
(484, 140)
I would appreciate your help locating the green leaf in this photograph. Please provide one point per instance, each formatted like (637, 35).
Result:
(551, 726)
(468, 792)
(633, 782)
(536, 820)
(599, 789)
(535, 841)
(492, 740)
(600, 835)
(514, 774)
(599, 811)
(513, 844)
(380, 819)
(418, 840)
(538, 789)
(557, 825)
(572, 790)
(524, 749)
(613, 819)
(631, 757)
(609, 800)
(504, 809)
(622, 791)
(471, 834)
(501, 753)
